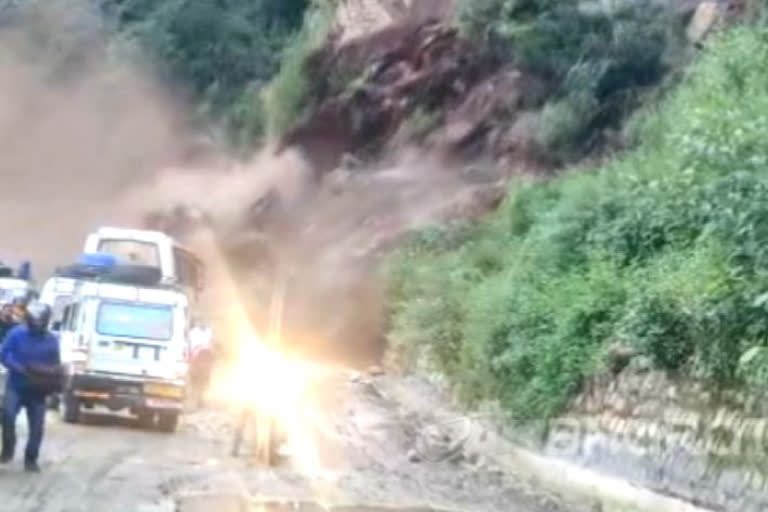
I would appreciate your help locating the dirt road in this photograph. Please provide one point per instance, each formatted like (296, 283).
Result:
(366, 447)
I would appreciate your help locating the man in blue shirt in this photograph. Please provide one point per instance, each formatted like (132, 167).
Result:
(31, 355)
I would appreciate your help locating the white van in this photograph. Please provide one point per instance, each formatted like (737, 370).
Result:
(57, 293)
(178, 265)
(124, 348)
(12, 288)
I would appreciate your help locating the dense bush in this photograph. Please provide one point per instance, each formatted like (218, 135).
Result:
(600, 57)
(222, 51)
(288, 93)
(664, 250)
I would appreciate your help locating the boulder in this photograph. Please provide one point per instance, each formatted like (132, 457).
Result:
(704, 18)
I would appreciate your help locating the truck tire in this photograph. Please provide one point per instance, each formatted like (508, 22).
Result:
(146, 419)
(167, 421)
(71, 408)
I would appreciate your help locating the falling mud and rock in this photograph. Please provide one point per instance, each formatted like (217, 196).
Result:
(272, 218)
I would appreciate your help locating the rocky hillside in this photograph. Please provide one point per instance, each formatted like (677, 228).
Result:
(424, 120)
(427, 81)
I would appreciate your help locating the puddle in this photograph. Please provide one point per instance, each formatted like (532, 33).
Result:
(240, 504)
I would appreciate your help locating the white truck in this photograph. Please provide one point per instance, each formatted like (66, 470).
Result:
(123, 346)
(57, 293)
(13, 288)
(178, 265)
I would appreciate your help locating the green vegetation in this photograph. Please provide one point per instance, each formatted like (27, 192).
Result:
(222, 51)
(244, 61)
(601, 59)
(665, 250)
(287, 96)
(241, 64)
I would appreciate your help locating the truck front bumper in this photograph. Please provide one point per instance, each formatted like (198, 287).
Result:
(124, 392)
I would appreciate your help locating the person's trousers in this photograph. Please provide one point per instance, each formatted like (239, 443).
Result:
(34, 404)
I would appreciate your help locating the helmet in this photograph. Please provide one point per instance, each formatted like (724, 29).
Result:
(37, 316)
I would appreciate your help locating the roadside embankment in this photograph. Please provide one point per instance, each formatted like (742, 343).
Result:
(678, 438)
(602, 486)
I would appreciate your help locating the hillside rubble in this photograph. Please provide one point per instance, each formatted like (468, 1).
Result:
(414, 80)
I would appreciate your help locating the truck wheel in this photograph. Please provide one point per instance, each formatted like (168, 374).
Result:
(167, 421)
(146, 418)
(71, 408)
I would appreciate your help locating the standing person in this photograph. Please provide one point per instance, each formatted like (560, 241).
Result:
(12, 315)
(31, 355)
(6, 320)
(202, 359)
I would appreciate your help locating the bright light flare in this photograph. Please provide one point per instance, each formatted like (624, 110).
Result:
(267, 379)
(276, 387)
(262, 378)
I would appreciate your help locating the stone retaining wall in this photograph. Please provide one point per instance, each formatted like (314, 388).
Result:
(676, 438)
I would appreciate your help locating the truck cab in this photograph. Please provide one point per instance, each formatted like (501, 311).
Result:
(123, 346)
(178, 265)
(57, 293)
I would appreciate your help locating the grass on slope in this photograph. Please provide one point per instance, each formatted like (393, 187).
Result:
(664, 250)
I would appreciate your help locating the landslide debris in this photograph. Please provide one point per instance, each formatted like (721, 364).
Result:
(392, 119)
(376, 94)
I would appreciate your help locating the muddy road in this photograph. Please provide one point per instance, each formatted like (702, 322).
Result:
(367, 455)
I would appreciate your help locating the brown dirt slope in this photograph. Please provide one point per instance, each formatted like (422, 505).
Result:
(408, 81)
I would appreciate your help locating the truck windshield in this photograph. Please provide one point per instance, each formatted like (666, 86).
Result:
(135, 321)
(132, 251)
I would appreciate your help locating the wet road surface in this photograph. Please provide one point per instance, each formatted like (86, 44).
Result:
(364, 445)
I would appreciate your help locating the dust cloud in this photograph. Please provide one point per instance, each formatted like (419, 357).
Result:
(76, 128)
(320, 239)
(88, 139)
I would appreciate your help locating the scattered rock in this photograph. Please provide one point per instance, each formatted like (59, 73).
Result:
(473, 459)
(350, 162)
(621, 406)
(458, 132)
(672, 393)
(375, 371)
(704, 18)
(640, 365)
(619, 356)
(480, 173)
(414, 456)
(401, 68)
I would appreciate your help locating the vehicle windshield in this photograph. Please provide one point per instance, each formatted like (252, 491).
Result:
(135, 321)
(8, 295)
(132, 251)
